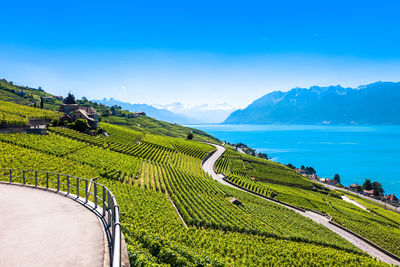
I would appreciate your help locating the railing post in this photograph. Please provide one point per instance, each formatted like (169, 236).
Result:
(47, 180)
(77, 187)
(35, 178)
(10, 176)
(67, 184)
(86, 191)
(58, 182)
(110, 211)
(116, 249)
(95, 195)
(104, 201)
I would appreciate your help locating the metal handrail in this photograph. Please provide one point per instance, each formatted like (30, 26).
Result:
(101, 195)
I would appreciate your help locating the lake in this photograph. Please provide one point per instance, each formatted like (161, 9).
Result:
(354, 152)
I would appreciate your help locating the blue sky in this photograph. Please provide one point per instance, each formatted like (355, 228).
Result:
(197, 52)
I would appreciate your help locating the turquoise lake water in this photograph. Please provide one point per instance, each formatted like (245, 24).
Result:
(354, 152)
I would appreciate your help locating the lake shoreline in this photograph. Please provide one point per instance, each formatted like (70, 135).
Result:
(352, 151)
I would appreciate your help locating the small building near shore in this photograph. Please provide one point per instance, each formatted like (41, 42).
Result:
(368, 192)
(355, 187)
(327, 181)
(391, 198)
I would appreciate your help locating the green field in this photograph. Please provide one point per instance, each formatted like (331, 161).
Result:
(377, 225)
(147, 170)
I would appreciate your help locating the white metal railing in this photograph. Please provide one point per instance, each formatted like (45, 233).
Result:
(87, 192)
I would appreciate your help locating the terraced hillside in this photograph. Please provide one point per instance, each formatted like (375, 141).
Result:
(273, 180)
(25, 95)
(174, 213)
(14, 114)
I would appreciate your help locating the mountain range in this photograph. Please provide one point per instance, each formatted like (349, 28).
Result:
(376, 103)
(204, 113)
(159, 114)
(177, 112)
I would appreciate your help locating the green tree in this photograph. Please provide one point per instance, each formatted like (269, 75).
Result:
(367, 185)
(310, 170)
(290, 165)
(190, 136)
(336, 178)
(80, 125)
(378, 189)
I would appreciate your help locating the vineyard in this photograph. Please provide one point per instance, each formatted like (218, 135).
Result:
(148, 172)
(14, 114)
(233, 162)
(155, 235)
(381, 227)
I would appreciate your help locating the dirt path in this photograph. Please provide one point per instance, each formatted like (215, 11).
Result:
(346, 198)
(208, 166)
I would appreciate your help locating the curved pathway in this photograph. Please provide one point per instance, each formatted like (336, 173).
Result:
(208, 166)
(42, 228)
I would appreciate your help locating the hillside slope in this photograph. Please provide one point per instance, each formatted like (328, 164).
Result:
(174, 213)
(375, 103)
(148, 172)
(27, 96)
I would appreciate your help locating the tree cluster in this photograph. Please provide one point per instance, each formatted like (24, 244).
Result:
(308, 170)
(376, 186)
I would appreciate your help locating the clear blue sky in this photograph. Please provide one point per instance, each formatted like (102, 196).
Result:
(166, 51)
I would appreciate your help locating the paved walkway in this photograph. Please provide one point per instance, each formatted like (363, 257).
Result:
(42, 228)
(208, 166)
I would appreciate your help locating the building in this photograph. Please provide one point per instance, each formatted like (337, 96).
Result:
(66, 118)
(355, 187)
(69, 105)
(391, 198)
(327, 181)
(82, 114)
(73, 112)
(368, 192)
(301, 171)
(330, 182)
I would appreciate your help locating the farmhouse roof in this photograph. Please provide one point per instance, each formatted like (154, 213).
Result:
(89, 110)
(84, 114)
(369, 192)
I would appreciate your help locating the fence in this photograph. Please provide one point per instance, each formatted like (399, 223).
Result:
(97, 197)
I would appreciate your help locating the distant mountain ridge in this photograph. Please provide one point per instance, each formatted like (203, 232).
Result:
(159, 114)
(376, 103)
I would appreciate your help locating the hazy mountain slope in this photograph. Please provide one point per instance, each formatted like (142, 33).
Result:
(376, 103)
(159, 114)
